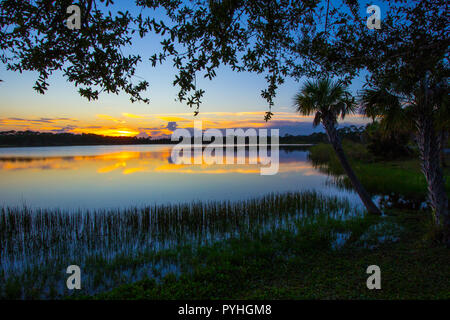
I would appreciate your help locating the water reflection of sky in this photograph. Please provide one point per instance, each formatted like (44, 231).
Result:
(124, 176)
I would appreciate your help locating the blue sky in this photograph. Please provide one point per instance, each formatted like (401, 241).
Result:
(61, 109)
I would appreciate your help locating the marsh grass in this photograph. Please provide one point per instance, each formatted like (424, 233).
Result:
(306, 264)
(113, 247)
(398, 179)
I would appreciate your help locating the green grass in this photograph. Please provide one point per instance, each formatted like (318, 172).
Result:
(113, 247)
(402, 177)
(281, 265)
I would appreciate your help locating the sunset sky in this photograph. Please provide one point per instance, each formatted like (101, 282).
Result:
(232, 100)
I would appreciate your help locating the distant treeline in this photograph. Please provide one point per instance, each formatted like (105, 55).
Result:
(33, 138)
(352, 133)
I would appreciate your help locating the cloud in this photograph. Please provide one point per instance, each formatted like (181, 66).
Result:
(173, 119)
(142, 134)
(64, 129)
(36, 121)
(172, 126)
(107, 117)
(134, 116)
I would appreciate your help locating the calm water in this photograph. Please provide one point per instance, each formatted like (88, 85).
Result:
(121, 246)
(137, 175)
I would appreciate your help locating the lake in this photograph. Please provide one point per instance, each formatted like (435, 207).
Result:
(83, 177)
(106, 209)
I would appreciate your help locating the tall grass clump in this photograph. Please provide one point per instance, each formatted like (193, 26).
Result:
(118, 246)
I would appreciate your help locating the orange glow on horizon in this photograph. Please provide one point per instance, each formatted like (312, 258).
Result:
(111, 132)
(157, 125)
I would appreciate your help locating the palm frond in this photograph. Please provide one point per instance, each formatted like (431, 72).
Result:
(324, 97)
(379, 103)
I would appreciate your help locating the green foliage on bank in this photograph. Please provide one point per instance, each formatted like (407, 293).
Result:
(402, 176)
(282, 265)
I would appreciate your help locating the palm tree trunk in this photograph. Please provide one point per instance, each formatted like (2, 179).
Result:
(430, 146)
(330, 128)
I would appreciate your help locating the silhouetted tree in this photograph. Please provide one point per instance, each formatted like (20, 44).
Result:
(327, 100)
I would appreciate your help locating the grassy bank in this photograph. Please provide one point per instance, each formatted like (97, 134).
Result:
(401, 177)
(306, 265)
(120, 246)
(321, 254)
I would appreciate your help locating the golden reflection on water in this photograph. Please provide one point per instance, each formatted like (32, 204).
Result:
(123, 176)
(132, 162)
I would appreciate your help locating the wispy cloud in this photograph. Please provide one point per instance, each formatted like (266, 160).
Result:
(133, 116)
(109, 118)
(162, 125)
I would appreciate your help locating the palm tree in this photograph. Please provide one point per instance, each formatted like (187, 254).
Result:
(328, 100)
(426, 113)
